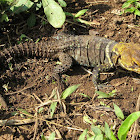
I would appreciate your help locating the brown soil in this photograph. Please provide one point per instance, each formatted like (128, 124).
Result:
(32, 88)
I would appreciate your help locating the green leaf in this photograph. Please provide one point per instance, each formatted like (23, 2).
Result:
(2, 1)
(69, 14)
(62, 3)
(132, 1)
(83, 135)
(40, 109)
(43, 137)
(31, 20)
(91, 138)
(126, 4)
(8, 1)
(137, 12)
(53, 104)
(38, 5)
(54, 13)
(25, 112)
(86, 119)
(36, 0)
(21, 5)
(121, 12)
(102, 94)
(138, 4)
(80, 13)
(52, 136)
(96, 130)
(14, 113)
(112, 93)
(24, 36)
(107, 131)
(52, 108)
(99, 137)
(69, 91)
(4, 17)
(112, 136)
(118, 112)
(85, 95)
(125, 126)
(131, 10)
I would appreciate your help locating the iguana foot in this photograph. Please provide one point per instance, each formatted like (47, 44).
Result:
(103, 86)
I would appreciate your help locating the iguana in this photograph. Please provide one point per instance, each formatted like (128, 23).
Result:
(87, 50)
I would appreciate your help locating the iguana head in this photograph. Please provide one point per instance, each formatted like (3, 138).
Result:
(127, 56)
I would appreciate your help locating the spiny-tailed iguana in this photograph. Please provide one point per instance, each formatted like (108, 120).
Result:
(87, 50)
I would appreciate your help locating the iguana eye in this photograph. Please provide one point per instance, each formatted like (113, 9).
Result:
(136, 65)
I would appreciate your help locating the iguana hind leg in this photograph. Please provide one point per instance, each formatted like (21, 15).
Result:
(66, 63)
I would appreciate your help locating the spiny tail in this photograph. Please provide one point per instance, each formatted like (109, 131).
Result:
(25, 49)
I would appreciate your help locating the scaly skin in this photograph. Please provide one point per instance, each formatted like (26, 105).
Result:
(127, 56)
(92, 51)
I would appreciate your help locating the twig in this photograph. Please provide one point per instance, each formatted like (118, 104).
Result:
(21, 90)
(9, 39)
(37, 98)
(35, 126)
(91, 2)
(27, 121)
(16, 122)
(75, 23)
(86, 70)
(46, 103)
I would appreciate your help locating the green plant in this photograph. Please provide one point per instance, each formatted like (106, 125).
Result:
(51, 104)
(132, 6)
(58, 99)
(105, 95)
(105, 133)
(51, 137)
(53, 10)
(76, 17)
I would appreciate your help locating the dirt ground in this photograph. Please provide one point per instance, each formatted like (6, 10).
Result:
(27, 87)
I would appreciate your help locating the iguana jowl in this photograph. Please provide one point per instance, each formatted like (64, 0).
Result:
(92, 51)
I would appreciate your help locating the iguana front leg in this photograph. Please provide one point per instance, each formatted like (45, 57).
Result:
(96, 74)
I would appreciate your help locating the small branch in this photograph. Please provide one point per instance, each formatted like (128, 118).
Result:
(16, 122)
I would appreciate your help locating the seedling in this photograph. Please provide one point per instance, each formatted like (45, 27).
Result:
(131, 6)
